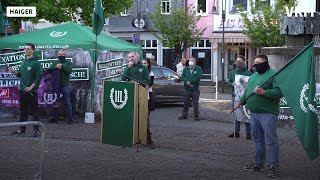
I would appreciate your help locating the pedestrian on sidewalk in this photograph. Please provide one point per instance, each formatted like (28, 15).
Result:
(180, 66)
(65, 67)
(30, 73)
(264, 110)
(191, 77)
(239, 70)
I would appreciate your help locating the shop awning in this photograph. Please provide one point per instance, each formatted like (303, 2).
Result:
(230, 37)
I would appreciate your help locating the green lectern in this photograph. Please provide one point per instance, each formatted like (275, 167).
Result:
(124, 113)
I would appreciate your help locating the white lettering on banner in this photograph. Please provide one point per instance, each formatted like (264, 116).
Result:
(4, 93)
(65, 46)
(231, 23)
(298, 14)
(77, 75)
(6, 101)
(7, 76)
(12, 58)
(9, 83)
(46, 65)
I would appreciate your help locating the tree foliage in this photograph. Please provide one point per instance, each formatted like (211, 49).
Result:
(178, 29)
(262, 23)
(57, 11)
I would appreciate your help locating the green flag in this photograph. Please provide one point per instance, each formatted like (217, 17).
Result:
(98, 18)
(1, 19)
(297, 83)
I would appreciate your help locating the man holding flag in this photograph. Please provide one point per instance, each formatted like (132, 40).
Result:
(264, 110)
(298, 90)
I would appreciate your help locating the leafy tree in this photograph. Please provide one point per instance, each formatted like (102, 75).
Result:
(262, 22)
(57, 11)
(178, 29)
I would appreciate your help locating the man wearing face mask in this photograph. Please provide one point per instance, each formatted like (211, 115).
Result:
(191, 76)
(264, 110)
(65, 67)
(240, 70)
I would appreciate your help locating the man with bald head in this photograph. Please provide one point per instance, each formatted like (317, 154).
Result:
(136, 71)
(65, 68)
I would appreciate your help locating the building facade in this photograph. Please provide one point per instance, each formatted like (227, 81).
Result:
(125, 27)
(203, 50)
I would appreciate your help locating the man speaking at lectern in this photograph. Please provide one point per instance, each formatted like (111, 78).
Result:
(136, 71)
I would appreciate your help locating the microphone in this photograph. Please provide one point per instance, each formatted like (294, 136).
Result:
(133, 79)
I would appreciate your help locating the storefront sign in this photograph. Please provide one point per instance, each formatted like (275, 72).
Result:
(232, 23)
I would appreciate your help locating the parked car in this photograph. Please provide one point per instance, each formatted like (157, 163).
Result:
(168, 86)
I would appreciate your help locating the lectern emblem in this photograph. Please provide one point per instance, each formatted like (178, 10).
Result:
(118, 98)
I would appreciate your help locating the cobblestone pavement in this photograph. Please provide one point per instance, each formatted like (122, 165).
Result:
(185, 149)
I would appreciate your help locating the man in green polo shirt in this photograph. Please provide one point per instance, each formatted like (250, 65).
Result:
(191, 76)
(30, 73)
(136, 71)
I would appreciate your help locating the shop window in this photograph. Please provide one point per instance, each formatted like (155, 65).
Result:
(148, 43)
(124, 13)
(166, 6)
(201, 43)
(154, 43)
(208, 43)
(265, 1)
(238, 4)
(201, 6)
(143, 43)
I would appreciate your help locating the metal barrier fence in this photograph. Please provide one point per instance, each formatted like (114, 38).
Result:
(39, 175)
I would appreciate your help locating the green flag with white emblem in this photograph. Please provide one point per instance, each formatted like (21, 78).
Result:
(98, 18)
(297, 83)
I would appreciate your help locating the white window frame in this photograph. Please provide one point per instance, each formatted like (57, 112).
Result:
(248, 7)
(124, 13)
(168, 11)
(201, 13)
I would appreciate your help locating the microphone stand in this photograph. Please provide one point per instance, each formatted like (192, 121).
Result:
(139, 140)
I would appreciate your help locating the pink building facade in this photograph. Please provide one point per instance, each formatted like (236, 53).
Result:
(203, 50)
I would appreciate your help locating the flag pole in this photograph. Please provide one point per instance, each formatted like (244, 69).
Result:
(98, 24)
(244, 101)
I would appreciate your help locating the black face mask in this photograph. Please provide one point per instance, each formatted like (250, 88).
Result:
(262, 67)
(61, 58)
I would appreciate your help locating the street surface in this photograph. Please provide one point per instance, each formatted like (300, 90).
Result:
(185, 149)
